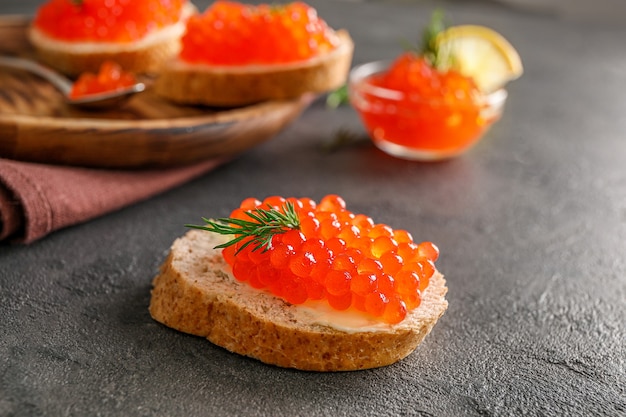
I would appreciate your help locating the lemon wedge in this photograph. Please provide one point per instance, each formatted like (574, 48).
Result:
(483, 54)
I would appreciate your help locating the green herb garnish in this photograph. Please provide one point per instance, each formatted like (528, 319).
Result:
(259, 231)
(337, 97)
(430, 47)
(342, 138)
(438, 57)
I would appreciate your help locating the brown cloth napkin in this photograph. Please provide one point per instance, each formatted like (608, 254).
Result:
(37, 199)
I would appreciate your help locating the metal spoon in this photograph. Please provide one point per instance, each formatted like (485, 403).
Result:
(64, 85)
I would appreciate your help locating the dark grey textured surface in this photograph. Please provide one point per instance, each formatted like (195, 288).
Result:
(531, 224)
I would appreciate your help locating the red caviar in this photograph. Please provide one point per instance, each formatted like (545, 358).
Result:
(373, 268)
(440, 113)
(231, 33)
(110, 77)
(106, 20)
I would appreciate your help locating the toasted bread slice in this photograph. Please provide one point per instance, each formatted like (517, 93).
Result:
(143, 56)
(195, 293)
(229, 86)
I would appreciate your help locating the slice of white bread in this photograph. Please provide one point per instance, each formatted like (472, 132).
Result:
(195, 293)
(230, 86)
(145, 55)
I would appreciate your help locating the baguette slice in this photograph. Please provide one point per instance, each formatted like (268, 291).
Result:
(229, 86)
(144, 56)
(195, 293)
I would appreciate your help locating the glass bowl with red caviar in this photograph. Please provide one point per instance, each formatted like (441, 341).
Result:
(414, 111)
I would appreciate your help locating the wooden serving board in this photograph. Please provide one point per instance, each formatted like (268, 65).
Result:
(146, 131)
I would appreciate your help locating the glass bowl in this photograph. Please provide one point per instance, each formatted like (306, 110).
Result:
(418, 128)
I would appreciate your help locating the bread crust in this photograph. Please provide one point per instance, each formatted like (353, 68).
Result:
(142, 57)
(235, 86)
(143, 60)
(195, 293)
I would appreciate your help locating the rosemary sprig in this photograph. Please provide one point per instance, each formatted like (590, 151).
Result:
(259, 231)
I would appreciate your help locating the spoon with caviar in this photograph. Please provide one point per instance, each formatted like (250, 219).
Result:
(109, 88)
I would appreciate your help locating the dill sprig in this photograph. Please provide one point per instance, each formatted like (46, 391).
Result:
(344, 137)
(430, 47)
(440, 58)
(259, 231)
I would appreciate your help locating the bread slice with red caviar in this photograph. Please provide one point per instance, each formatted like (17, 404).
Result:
(196, 293)
(230, 86)
(143, 54)
(235, 54)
